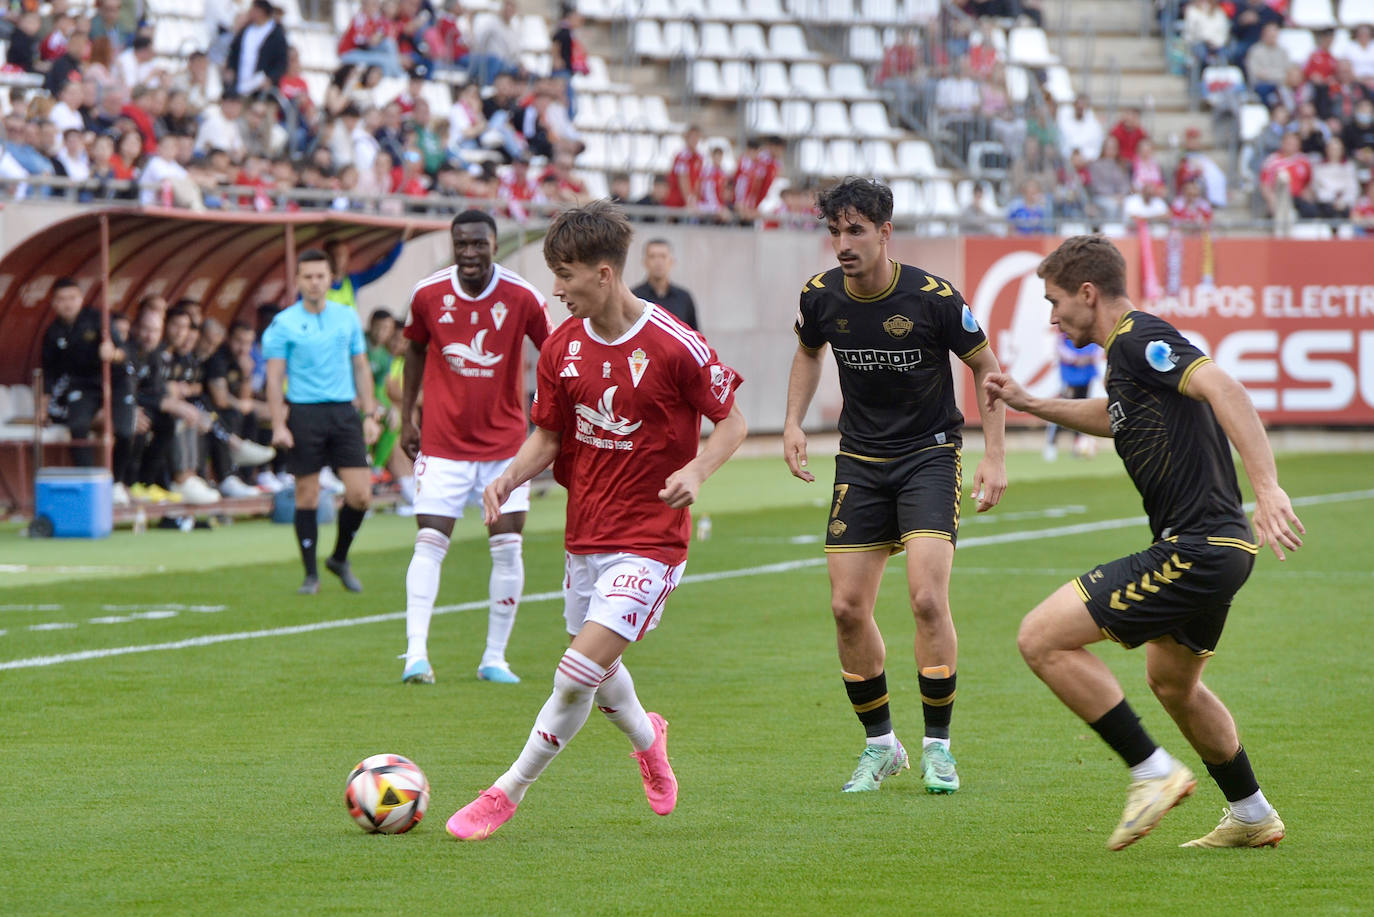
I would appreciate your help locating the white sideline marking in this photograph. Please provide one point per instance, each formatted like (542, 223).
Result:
(34, 662)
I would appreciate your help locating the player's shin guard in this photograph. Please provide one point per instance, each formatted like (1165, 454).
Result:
(617, 699)
(574, 688)
(937, 699)
(422, 587)
(507, 583)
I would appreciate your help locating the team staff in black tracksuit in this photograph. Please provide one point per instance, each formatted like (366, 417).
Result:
(73, 348)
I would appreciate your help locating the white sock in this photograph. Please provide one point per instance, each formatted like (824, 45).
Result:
(927, 741)
(617, 699)
(1154, 767)
(422, 587)
(507, 583)
(887, 738)
(574, 688)
(1252, 809)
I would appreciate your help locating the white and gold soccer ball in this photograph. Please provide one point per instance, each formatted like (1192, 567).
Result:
(387, 794)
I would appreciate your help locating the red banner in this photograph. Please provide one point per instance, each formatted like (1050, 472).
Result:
(1293, 321)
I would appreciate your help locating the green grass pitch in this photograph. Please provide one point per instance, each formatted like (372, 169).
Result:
(205, 776)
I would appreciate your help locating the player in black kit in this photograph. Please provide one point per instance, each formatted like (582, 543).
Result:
(1170, 410)
(892, 328)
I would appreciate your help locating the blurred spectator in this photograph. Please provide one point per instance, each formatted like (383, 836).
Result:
(544, 122)
(1196, 165)
(1190, 211)
(221, 127)
(370, 40)
(412, 20)
(516, 188)
(902, 61)
(73, 160)
(100, 68)
(177, 117)
(495, 46)
(1147, 204)
(22, 52)
(1359, 134)
(1293, 92)
(1360, 53)
(1266, 64)
(165, 182)
(381, 325)
(658, 287)
(109, 23)
(568, 189)
(657, 196)
(1284, 177)
(569, 56)
(1071, 198)
(228, 376)
(1077, 370)
(685, 172)
(467, 123)
(1031, 213)
(257, 56)
(1079, 129)
(1312, 131)
(136, 64)
(1206, 30)
(66, 114)
(715, 187)
(1363, 212)
(54, 44)
(448, 48)
(957, 101)
(1128, 133)
(1250, 18)
(503, 113)
(620, 188)
(1340, 96)
(67, 64)
(1335, 186)
(1146, 169)
(1321, 63)
(1035, 162)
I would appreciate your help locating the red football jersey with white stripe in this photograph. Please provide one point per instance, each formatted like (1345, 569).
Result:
(629, 413)
(474, 387)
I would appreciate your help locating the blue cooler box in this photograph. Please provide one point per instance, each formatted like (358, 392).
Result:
(77, 501)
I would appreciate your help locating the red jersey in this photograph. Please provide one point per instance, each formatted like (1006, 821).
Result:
(1195, 214)
(364, 31)
(1128, 139)
(629, 415)
(764, 172)
(1298, 167)
(1321, 66)
(715, 189)
(686, 166)
(474, 380)
(744, 176)
(445, 39)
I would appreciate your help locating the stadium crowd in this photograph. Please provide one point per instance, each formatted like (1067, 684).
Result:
(1315, 154)
(237, 127)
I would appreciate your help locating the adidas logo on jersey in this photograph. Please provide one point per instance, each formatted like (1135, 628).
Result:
(446, 318)
(631, 619)
(569, 371)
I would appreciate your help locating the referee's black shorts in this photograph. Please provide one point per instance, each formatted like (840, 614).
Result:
(330, 433)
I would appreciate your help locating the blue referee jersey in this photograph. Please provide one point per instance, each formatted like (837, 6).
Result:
(318, 350)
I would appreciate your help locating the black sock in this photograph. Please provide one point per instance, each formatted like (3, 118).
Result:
(307, 534)
(937, 703)
(1120, 728)
(1235, 778)
(869, 699)
(349, 520)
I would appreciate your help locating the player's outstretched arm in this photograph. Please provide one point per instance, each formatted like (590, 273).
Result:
(801, 388)
(1275, 522)
(1086, 415)
(682, 485)
(534, 456)
(412, 374)
(990, 479)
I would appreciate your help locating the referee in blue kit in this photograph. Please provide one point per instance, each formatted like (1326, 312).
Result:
(318, 346)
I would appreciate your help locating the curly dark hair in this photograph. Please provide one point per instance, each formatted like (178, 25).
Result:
(870, 199)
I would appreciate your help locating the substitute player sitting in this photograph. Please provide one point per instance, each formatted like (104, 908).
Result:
(897, 478)
(622, 387)
(1170, 410)
(467, 328)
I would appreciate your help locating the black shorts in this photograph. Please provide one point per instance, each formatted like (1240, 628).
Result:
(1180, 589)
(884, 503)
(325, 434)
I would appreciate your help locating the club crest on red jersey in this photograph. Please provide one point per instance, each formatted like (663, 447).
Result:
(639, 361)
(498, 314)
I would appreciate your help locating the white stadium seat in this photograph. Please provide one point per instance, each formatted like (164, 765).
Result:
(941, 199)
(907, 200)
(772, 80)
(920, 11)
(704, 79)
(647, 39)
(811, 156)
(1312, 14)
(870, 120)
(737, 78)
(842, 158)
(808, 81)
(879, 12)
(831, 119)
(726, 10)
(865, 44)
(788, 42)
(847, 81)
(680, 39)
(1355, 12)
(879, 159)
(595, 182)
(1029, 47)
(749, 41)
(535, 37)
(767, 11)
(1299, 43)
(797, 117)
(916, 158)
(762, 116)
(1059, 85)
(662, 10)
(836, 12)
(715, 41)
(1254, 117)
(654, 111)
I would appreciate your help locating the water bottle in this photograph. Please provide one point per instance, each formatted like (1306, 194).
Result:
(167, 197)
(704, 528)
(140, 521)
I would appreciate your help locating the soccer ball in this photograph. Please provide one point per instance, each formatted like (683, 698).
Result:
(387, 794)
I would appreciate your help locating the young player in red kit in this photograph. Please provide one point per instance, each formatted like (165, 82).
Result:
(621, 392)
(467, 328)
